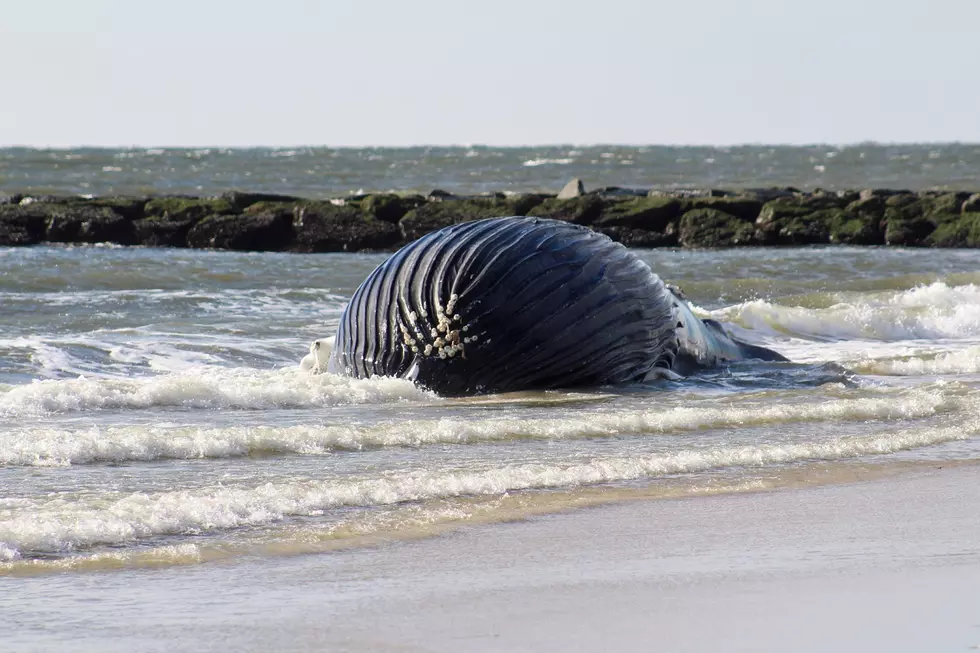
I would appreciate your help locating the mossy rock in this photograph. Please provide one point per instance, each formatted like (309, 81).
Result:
(239, 201)
(746, 208)
(646, 213)
(907, 231)
(266, 232)
(87, 224)
(714, 228)
(869, 208)
(800, 206)
(162, 232)
(435, 215)
(580, 210)
(943, 203)
(640, 237)
(327, 228)
(961, 232)
(187, 208)
(22, 225)
(390, 207)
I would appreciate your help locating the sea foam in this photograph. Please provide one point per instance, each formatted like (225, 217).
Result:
(205, 387)
(43, 445)
(61, 525)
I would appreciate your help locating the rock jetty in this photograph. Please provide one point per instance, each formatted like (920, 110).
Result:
(380, 222)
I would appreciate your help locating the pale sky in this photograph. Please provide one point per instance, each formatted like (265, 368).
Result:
(499, 72)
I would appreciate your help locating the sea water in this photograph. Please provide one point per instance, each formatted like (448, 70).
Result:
(153, 412)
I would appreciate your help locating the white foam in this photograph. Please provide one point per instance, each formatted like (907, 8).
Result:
(927, 312)
(533, 163)
(963, 361)
(203, 387)
(48, 446)
(60, 524)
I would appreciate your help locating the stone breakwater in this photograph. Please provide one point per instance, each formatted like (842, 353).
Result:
(692, 219)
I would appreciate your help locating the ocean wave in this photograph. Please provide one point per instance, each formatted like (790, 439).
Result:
(533, 163)
(203, 388)
(62, 525)
(927, 312)
(47, 446)
(963, 361)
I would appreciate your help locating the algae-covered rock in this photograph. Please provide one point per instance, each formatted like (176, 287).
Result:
(163, 232)
(580, 210)
(641, 237)
(647, 213)
(187, 208)
(263, 232)
(239, 201)
(324, 227)
(87, 224)
(846, 228)
(389, 207)
(714, 228)
(435, 215)
(964, 231)
(22, 225)
(910, 219)
(746, 208)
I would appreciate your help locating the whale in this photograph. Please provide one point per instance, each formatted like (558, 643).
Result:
(521, 303)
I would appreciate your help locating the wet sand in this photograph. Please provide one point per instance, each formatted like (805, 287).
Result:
(884, 565)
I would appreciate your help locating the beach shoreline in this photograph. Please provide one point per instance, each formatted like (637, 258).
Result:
(886, 564)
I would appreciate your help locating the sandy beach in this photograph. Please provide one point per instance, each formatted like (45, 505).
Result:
(883, 565)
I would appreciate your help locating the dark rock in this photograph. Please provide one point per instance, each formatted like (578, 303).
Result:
(163, 232)
(239, 201)
(10, 199)
(390, 207)
(21, 225)
(746, 208)
(265, 232)
(769, 194)
(436, 215)
(971, 204)
(80, 223)
(714, 228)
(438, 195)
(574, 188)
(323, 227)
(640, 237)
(685, 193)
(883, 193)
(131, 208)
(647, 213)
(617, 192)
(580, 210)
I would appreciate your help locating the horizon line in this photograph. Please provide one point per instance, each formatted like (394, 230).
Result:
(866, 143)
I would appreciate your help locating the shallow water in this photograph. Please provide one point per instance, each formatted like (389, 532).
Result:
(152, 412)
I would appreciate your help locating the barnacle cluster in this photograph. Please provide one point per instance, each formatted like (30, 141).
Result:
(446, 339)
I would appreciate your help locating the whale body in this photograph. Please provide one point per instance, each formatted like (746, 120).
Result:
(518, 303)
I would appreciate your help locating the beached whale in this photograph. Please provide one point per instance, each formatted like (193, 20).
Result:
(521, 303)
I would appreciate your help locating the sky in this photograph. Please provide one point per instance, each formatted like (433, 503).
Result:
(507, 72)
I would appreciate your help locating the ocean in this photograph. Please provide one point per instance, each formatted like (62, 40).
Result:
(154, 418)
(333, 172)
